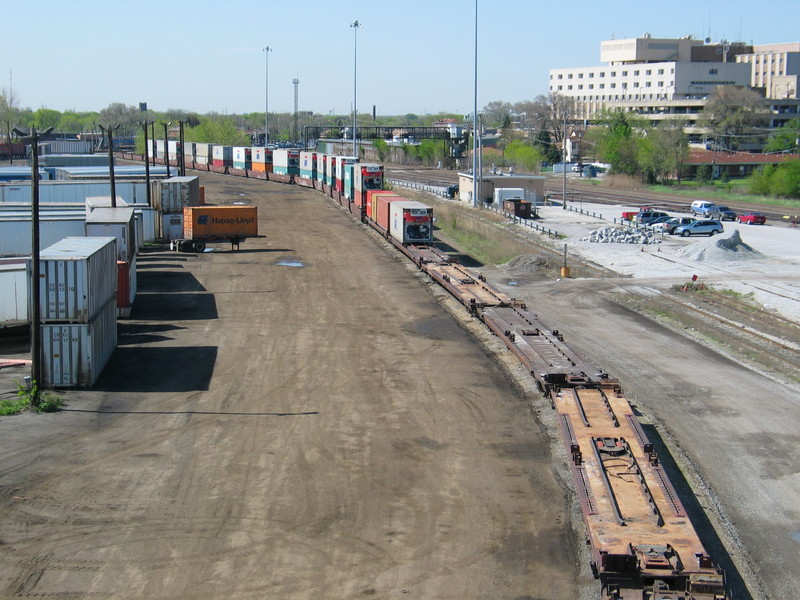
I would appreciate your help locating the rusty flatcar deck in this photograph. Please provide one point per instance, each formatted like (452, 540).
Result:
(468, 288)
(638, 527)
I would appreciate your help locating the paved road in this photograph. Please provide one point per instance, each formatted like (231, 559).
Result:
(299, 419)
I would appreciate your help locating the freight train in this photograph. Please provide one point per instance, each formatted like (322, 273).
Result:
(643, 543)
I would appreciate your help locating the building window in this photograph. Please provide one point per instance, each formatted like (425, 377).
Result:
(591, 86)
(624, 73)
(591, 75)
(580, 87)
(602, 74)
(569, 87)
(635, 84)
(613, 73)
(602, 86)
(648, 72)
(660, 84)
(647, 84)
(580, 75)
(560, 76)
(636, 73)
(613, 85)
(569, 76)
(561, 87)
(712, 71)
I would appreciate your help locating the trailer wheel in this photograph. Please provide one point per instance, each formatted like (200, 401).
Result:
(199, 246)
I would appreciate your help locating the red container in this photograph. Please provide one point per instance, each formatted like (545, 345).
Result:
(123, 289)
(371, 200)
(381, 209)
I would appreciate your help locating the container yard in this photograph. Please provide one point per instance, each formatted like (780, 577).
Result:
(657, 548)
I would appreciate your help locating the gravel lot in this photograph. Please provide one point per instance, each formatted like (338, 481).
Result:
(731, 427)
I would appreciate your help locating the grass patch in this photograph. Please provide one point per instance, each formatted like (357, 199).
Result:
(30, 399)
(724, 192)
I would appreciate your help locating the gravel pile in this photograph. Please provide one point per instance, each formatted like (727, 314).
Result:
(719, 249)
(615, 235)
(528, 263)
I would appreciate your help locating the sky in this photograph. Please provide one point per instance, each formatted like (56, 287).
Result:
(410, 56)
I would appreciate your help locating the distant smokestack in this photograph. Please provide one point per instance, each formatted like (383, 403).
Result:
(373, 112)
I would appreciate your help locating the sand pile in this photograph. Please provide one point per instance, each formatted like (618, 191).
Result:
(721, 248)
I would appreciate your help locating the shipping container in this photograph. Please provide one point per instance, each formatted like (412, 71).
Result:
(330, 170)
(367, 177)
(308, 165)
(207, 222)
(242, 158)
(121, 173)
(117, 223)
(222, 156)
(126, 287)
(66, 147)
(172, 195)
(174, 150)
(78, 275)
(204, 153)
(348, 180)
(74, 355)
(286, 161)
(171, 227)
(372, 201)
(16, 233)
(74, 160)
(102, 202)
(189, 151)
(341, 161)
(60, 192)
(380, 209)
(13, 291)
(411, 222)
(258, 158)
(322, 162)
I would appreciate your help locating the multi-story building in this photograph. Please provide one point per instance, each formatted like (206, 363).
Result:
(647, 71)
(775, 68)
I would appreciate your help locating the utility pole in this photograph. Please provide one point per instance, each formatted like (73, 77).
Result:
(144, 125)
(36, 307)
(166, 145)
(110, 132)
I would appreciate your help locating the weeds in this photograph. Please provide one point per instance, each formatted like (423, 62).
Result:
(29, 397)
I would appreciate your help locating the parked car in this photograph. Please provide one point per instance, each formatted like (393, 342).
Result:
(700, 228)
(701, 207)
(657, 223)
(752, 218)
(721, 213)
(648, 216)
(670, 224)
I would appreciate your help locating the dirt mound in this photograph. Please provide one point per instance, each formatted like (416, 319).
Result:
(724, 248)
(528, 263)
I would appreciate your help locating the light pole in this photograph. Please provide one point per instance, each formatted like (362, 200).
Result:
(110, 131)
(475, 119)
(355, 25)
(266, 50)
(36, 308)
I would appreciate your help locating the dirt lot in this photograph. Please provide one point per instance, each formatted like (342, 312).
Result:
(299, 419)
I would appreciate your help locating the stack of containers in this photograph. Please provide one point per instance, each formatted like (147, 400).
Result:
(170, 198)
(322, 161)
(78, 310)
(120, 223)
(222, 156)
(242, 158)
(203, 153)
(188, 153)
(174, 151)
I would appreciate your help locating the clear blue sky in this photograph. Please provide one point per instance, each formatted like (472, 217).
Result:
(413, 56)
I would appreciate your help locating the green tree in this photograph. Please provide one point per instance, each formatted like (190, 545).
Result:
(734, 114)
(46, 117)
(544, 143)
(617, 143)
(662, 152)
(523, 157)
(785, 138)
(782, 181)
(118, 113)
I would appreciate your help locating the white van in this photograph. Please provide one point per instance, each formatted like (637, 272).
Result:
(702, 207)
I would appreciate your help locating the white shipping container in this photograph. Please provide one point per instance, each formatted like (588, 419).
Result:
(171, 227)
(175, 193)
(16, 233)
(174, 149)
(117, 223)
(59, 192)
(149, 221)
(74, 355)
(13, 291)
(410, 222)
(501, 194)
(78, 275)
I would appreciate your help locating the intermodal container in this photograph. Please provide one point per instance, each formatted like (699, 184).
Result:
(411, 222)
(367, 177)
(222, 156)
(242, 158)
(16, 236)
(74, 355)
(174, 194)
(348, 180)
(308, 164)
(174, 150)
(339, 174)
(78, 276)
(123, 289)
(259, 159)
(380, 209)
(206, 222)
(372, 199)
(330, 169)
(118, 223)
(189, 149)
(203, 153)
(286, 161)
(13, 291)
(322, 160)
